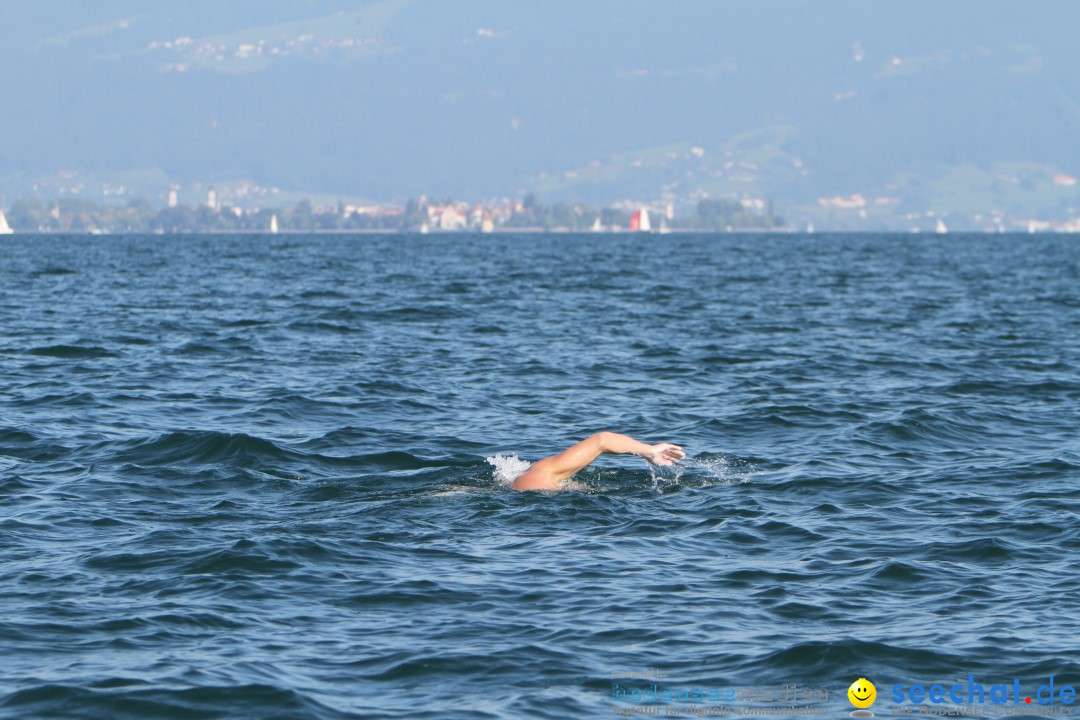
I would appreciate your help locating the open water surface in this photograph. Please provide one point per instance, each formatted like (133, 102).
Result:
(248, 477)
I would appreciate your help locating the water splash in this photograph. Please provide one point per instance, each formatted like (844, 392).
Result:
(508, 468)
(700, 472)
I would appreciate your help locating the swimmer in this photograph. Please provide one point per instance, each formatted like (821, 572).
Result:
(549, 473)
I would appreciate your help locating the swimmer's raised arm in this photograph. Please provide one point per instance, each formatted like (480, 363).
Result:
(548, 473)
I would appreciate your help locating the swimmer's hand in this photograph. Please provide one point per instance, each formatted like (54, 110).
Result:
(664, 454)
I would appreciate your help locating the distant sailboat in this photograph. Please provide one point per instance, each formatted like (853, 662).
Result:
(596, 226)
(664, 229)
(5, 229)
(639, 221)
(273, 223)
(941, 227)
(809, 228)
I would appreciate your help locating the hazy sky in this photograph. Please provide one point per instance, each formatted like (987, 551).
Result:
(480, 98)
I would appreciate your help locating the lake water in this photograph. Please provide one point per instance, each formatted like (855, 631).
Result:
(248, 477)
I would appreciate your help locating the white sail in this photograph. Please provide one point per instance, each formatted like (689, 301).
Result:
(273, 223)
(941, 227)
(5, 229)
(645, 225)
(596, 226)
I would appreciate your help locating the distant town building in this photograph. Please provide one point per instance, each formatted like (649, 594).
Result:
(452, 219)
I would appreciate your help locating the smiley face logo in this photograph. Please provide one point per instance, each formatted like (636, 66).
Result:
(862, 694)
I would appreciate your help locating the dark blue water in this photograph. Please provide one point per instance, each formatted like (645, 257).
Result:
(246, 477)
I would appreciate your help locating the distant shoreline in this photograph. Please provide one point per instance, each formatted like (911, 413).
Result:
(535, 231)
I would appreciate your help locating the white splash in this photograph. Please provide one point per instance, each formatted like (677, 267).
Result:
(508, 468)
(716, 470)
(723, 469)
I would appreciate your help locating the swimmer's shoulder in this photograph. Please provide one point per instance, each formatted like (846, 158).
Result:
(537, 477)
